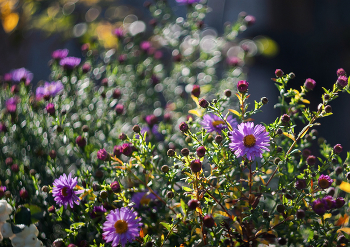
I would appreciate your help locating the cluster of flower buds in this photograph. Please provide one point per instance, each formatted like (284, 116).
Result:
(320, 206)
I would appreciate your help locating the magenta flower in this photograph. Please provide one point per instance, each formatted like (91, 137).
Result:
(64, 192)
(329, 202)
(102, 154)
(212, 122)
(187, 1)
(309, 84)
(249, 140)
(49, 90)
(142, 199)
(117, 150)
(242, 86)
(3, 127)
(324, 181)
(122, 226)
(50, 108)
(318, 207)
(145, 45)
(127, 149)
(151, 120)
(21, 74)
(11, 104)
(233, 61)
(60, 54)
(69, 63)
(7, 77)
(342, 81)
(119, 32)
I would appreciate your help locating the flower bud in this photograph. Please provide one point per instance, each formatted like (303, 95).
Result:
(58, 243)
(328, 109)
(342, 82)
(309, 84)
(196, 166)
(136, 129)
(208, 221)
(115, 186)
(280, 208)
(103, 194)
(170, 194)
(285, 118)
(279, 131)
(122, 137)
(300, 214)
(165, 168)
(337, 149)
(185, 151)
(171, 153)
(183, 127)
(300, 184)
(15, 168)
(279, 73)
(242, 86)
(80, 141)
(200, 151)
(203, 103)
(311, 160)
(339, 202)
(196, 91)
(52, 154)
(9, 161)
(192, 204)
(264, 100)
(45, 189)
(228, 93)
(119, 109)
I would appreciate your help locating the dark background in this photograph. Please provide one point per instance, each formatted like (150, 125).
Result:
(313, 38)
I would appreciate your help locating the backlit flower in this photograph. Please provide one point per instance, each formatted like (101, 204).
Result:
(122, 226)
(318, 207)
(249, 140)
(69, 63)
(142, 199)
(49, 90)
(21, 74)
(324, 181)
(59, 54)
(11, 104)
(64, 192)
(212, 122)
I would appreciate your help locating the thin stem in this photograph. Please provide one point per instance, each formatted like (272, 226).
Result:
(218, 203)
(169, 234)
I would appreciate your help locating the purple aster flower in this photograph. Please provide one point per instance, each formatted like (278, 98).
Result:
(341, 72)
(103, 155)
(212, 122)
(126, 149)
(21, 74)
(69, 63)
(300, 184)
(329, 202)
(318, 207)
(249, 140)
(117, 150)
(64, 192)
(97, 213)
(121, 226)
(309, 84)
(49, 90)
(60, 54)
(142, 199)
(11, 104)
(187, 1)
(324, 181)
(2, 191)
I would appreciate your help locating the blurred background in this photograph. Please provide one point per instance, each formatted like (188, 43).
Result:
(310, 38)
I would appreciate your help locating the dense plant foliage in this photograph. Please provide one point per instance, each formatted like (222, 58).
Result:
(125, 147)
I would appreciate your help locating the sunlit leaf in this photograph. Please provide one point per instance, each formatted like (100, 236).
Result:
(344, 229)
(10, 21)
(289, 135)
(235, 112)
(344, 186)
(342, 220)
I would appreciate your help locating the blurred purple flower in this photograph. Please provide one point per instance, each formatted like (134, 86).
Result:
(60, 54)
(69, 63)
(2, 191)
(119, 32)
(49, 90)
(97, 212)
(11, 104)
(21, 74)
(187, 1)
(142, 199)
(212, 122)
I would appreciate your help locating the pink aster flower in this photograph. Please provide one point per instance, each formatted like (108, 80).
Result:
(21, 74)
(122, 226)
(11, 104)
(318, 207)
(249, 140)
(212, 122)
(64, 192)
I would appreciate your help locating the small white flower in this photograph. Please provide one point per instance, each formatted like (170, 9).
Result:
(30, 239)
(17, 242)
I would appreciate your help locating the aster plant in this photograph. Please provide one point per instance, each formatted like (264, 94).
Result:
(120, 149)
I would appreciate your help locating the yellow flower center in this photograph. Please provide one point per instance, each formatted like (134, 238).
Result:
(249, 141)
(64, 191)
(144, 200)
(121, 226)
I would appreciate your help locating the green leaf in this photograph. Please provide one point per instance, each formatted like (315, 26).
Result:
(186, 188)
(35, 211)
(77, 225)
(167, 225)
(183, 206)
